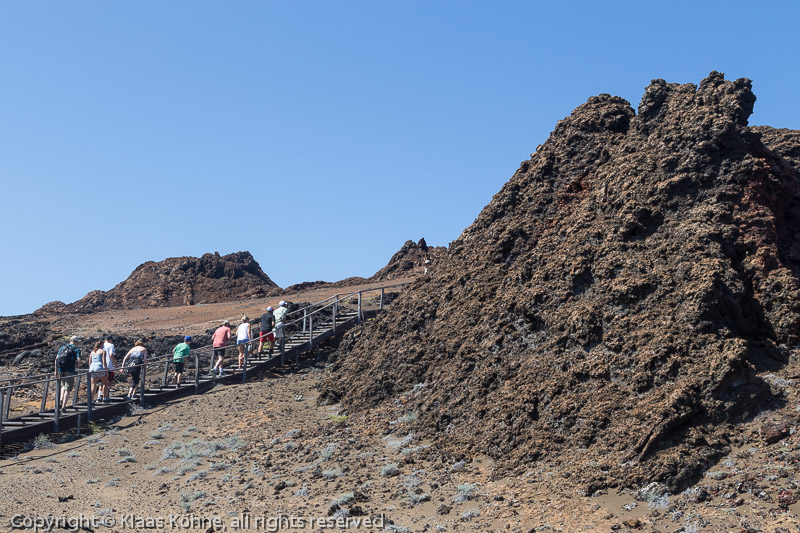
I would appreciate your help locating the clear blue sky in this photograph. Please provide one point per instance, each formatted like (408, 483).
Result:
(318, 135)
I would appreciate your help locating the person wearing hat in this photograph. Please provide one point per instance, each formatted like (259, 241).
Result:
(243, 339)
(267, 325)
(179, 354)
(280, 323)
(219, 340)
(68, 356)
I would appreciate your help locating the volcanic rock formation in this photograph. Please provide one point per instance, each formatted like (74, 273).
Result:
(179, 281)
(408, 259)
(609, 312)
(411, 260)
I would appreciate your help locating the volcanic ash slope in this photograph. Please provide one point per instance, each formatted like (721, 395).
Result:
(609, 311)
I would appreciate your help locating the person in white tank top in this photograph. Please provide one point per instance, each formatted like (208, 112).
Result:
(243, 339)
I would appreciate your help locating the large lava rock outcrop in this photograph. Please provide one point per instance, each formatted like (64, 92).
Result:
(411, 258)
(609, 311)
(179, 281)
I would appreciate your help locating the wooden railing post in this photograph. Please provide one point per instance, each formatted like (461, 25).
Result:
(57, 418)
(4, 414)
(380, 306)
(76, 388)
(166, 372)
(244, 365)
(2, 409)
(196, 374)
(333, 309)
(311, 334)
(88, 398)
(359, 308)
(44, 395)
(142, 382)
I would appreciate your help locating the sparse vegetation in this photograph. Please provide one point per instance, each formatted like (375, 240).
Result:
(460, 465)
(199, 448)
(416, 499)
(344, 499)
(42, 442)
(390, 470)
(408, 418)
(200, 475)
(332, 473)
(411, 481)
(163, 470)
(186, 500)
(399, 443)
(464, 492)
(327, 452)
(419, 387)
(469, 514)
(183, 469)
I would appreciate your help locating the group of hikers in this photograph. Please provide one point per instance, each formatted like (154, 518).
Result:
(103, 367)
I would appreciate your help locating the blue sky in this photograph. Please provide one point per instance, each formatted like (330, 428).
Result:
(319, 136)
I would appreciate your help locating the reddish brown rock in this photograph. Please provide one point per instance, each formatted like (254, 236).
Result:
(179, 281)
(772, 433)
(412, 259)
(614, 302)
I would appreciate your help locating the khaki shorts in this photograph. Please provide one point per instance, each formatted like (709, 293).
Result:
(69, 379)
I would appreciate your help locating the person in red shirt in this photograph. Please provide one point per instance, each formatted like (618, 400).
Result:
(220, 339)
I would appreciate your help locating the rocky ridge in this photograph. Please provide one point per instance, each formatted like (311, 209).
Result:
(178, 281)
(410, 260)
(612, 310)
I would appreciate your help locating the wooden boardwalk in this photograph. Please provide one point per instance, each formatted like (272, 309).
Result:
(197, 381)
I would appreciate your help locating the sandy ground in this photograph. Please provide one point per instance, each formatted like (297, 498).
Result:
(266, 450)
(195, 319)
(266, 456)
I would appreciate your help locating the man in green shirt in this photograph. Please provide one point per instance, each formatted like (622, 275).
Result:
(179, 354)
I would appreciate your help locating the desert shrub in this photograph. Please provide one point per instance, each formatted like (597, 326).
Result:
(42, 442)
(390, 470)
(469, 514)
(464, 492)
(419, 498)
(333, 473)
(327, 452)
